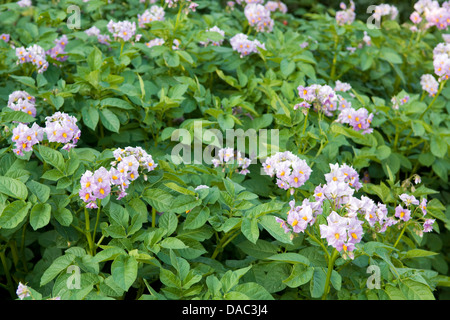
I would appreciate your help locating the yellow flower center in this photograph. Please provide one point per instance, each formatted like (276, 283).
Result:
(295, 222)
(336, 235)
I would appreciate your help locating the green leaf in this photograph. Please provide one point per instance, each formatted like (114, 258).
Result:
(168, 221)
(383, 152)
(116, 102)
(52, 157)
(394, 293)
(416, 253)
(172, 59)
(169, 279)
(253, 291)
(124, 271)
(58, 265)
(109, 120)
(268, 222)
(390, 55)
(317, 284)
(159, 199)
(225, 121)
(184, 203)
(63, 216)
(57, 101)
(18, 116)
(179, 189)
(90, 116)
(287, 67)
(260, 250)
(250, 230)
(414, 290)
(13, 214)
(290, 257)
(173, 243)
(41, 191)
(438, 146)
(28, 81)
(196, 218)
(13, 188)
(300, 275)
(95, 59)
(52, 175)
(40, 215)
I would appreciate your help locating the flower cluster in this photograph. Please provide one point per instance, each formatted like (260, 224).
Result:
(342, 86)
(359, 119)
(323, 97)
(24, 3)
(383, 10)
(432, 14)
(62, 128)
(291, 171)
(429, 84)
(345, 224)
(258, 16)
(346, 15)
(25, 137)
(190, 5)
(412, 205)
(125, 169)
(5, 37)
(244, 46)
(214, 43)
(101, 38)
(22, 291)
(155, 42)
(441, 60)
(155, 13)
(342, 233)
(226, 156)
(276, 5)
(396, 102)
(22, 101)
(34, 54)
(57, 52)
(124, 30)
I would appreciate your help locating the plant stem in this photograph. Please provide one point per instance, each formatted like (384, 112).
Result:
(333, 67)
(96, 222)
(8, 275)
(327, 255)
(330, 271)
(88, 232)
(401, 234)
(153, 217)
(223, 242)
